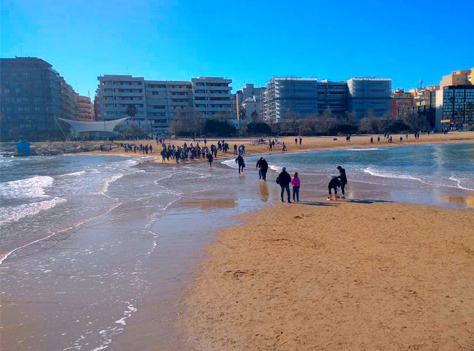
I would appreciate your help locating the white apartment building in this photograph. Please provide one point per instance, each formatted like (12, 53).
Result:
(212, 97)
(164, 100)
(158, 102)
(117, 92)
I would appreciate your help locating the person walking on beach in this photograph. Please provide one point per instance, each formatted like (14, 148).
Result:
(240, 161)
(296, 187)
(284, 180)
(301, 141)
(262, 166)
(210, 158)
(343, 179)
(333, 184)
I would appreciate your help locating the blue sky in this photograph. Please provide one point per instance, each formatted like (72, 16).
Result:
(248, 41)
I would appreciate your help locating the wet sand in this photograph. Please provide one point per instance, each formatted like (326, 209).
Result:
(337, 276)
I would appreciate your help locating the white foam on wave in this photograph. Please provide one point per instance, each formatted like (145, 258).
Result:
(15, 213)
(5, 256)
(458, 181)
(275, 168)
(382, 174)
(26, 188)
(364, 149)
(230, 163)
(108, 182)
(73, 174)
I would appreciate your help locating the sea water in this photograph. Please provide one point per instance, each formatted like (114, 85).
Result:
(430, 174)
(87, 247)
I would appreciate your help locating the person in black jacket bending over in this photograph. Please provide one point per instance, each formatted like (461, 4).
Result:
(284, 179)
(342, 177)
(262, 166)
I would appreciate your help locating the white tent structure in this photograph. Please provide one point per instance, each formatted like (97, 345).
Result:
(103, 126)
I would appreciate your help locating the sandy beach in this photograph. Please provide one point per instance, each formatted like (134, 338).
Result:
(337, 276)
(308, 143)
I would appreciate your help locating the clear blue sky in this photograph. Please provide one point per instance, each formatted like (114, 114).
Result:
(248, 41)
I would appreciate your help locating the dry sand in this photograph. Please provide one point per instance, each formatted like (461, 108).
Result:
(345, 276)
(309, 143)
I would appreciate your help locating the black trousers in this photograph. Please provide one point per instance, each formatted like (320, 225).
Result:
(343, 185)
(241, 167)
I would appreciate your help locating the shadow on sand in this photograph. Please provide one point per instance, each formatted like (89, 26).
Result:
(318, 203)
(367, 201)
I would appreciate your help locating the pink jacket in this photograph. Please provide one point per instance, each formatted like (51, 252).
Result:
(295, 181)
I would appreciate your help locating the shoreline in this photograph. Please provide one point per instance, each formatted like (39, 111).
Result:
(309, 144)
(388, 276)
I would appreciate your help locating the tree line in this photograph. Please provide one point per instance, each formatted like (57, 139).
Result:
(191, 123)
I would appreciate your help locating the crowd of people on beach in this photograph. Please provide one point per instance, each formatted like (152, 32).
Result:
(144, 149)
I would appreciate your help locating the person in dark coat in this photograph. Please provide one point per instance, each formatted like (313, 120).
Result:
(262, 166)
(240, 161)
(284, 180)
(342, 177)
(333, 184)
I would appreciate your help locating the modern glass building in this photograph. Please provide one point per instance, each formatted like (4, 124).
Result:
(290, 95)
(370, 94)
(458, 104)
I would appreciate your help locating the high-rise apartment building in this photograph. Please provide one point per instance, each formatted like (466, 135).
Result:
(166, 100)
(290, 95)
(117, 92)
(157, 103)
(212, 97)
(85, 110)
(370, 94)
(334, 96)
(33, 95)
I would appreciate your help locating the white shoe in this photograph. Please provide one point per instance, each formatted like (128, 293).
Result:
(343, 196)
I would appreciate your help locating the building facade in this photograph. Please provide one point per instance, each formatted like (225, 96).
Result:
(212, 97)
(370, 94)
(461, 77)
(33, 95)
(85, 110)
(157, 103)
(290, 95)
(458, 104)
(334, 96)
(248, 101)
(402, 103)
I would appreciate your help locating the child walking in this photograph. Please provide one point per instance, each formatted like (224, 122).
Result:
(296, 187)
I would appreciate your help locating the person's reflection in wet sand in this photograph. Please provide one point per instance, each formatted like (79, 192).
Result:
(263, 191)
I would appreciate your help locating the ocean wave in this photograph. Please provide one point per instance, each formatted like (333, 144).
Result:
(230, 163)
(108, 182)
(364, 149)
(73, 174)
(458, 181)
(15, 213)
(382, 174)
(275, 168)
(26, 188)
